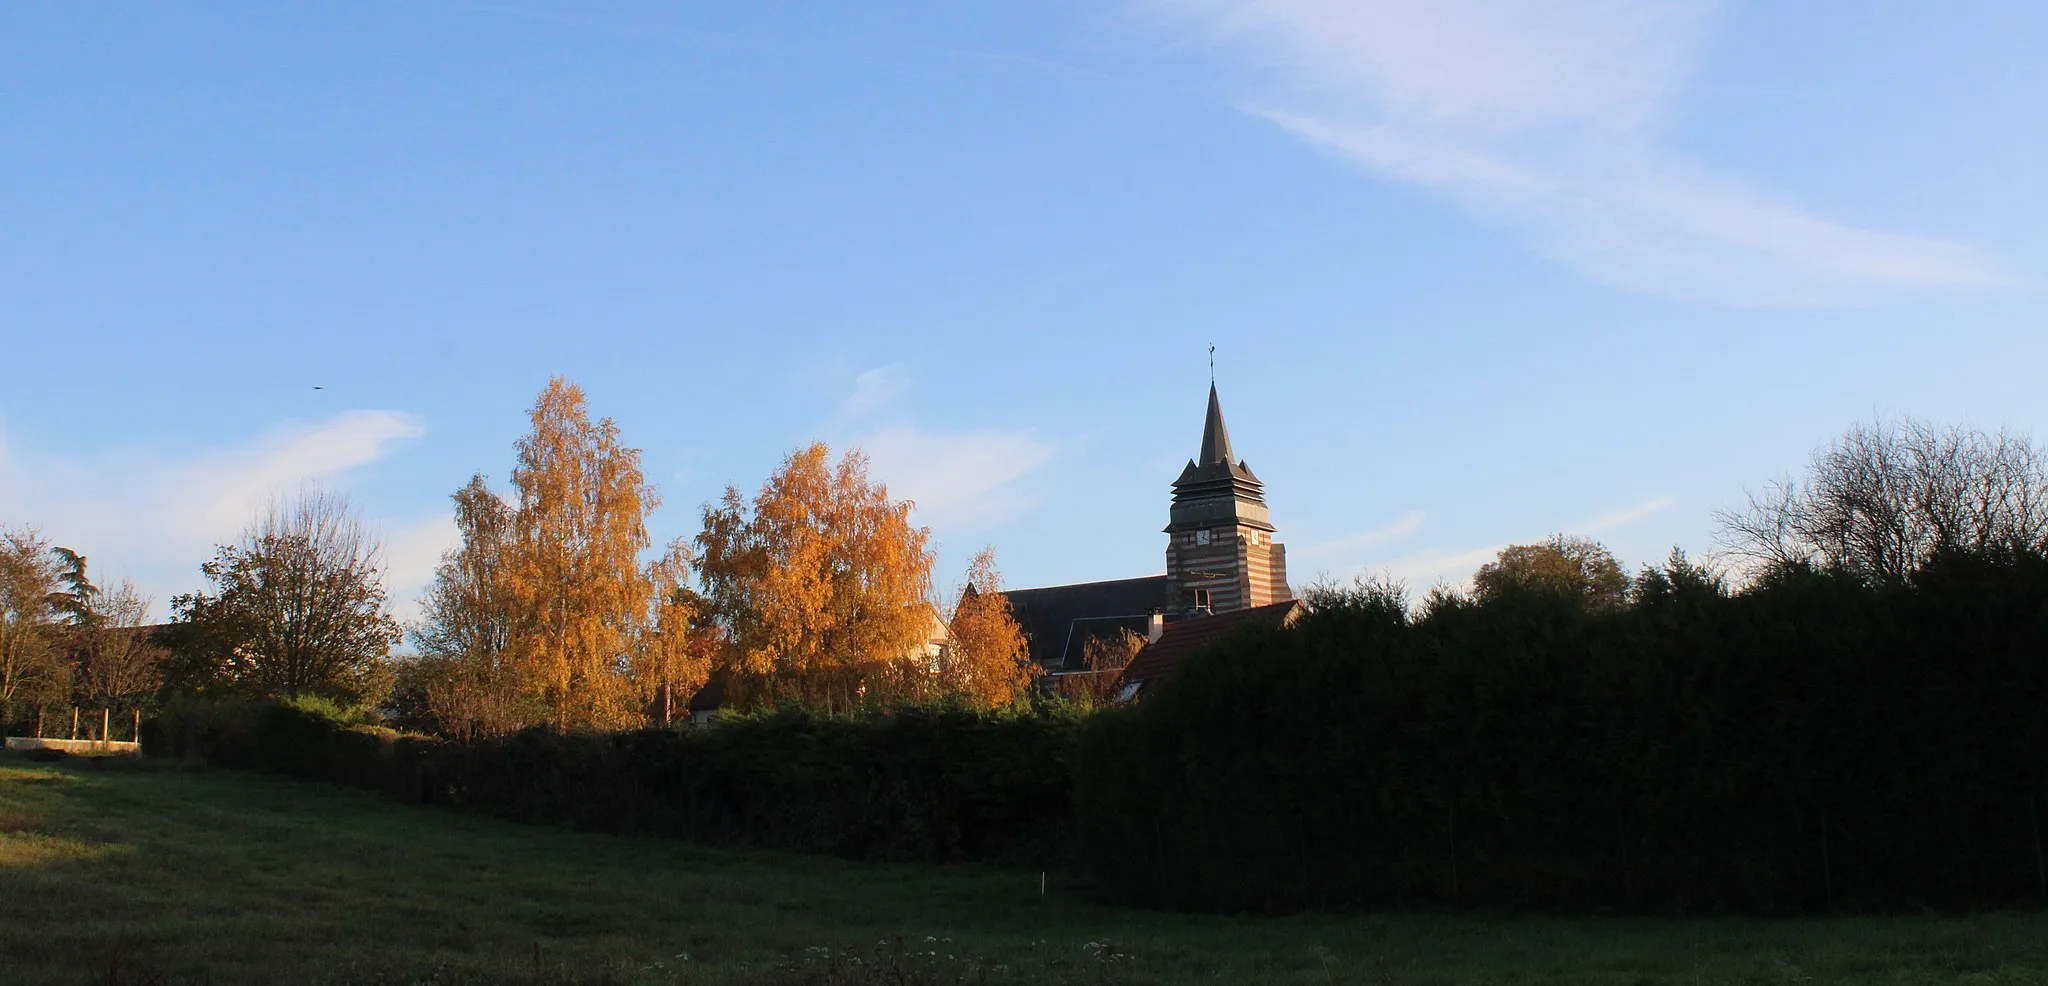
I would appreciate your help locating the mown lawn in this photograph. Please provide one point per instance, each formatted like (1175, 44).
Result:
(154, 873)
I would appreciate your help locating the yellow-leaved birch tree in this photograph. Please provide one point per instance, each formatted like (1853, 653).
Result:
(986, 661)
(672, 661)
(579, 525)
(822, 586)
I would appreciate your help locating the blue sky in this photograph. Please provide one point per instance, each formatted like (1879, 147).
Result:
(1476, 270)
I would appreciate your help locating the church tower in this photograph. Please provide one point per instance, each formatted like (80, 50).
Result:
(1220, 552)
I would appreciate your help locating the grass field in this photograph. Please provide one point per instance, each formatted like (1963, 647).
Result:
(153, 873)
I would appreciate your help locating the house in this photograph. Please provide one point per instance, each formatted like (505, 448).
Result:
(1163, 656)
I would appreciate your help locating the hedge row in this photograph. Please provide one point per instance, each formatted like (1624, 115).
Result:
(1812, 743)
(931, 785)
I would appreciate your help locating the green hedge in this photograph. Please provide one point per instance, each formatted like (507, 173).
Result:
(1812, 743)
(931, 785)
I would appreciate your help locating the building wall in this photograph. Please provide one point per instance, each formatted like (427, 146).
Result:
(1252, 567)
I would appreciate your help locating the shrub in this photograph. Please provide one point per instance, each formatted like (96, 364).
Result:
(1816, 742)
(950, 785)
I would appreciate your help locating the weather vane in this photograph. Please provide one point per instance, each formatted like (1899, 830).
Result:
(1212, 362)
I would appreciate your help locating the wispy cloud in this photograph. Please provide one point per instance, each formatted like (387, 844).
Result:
(1624, 516)
(875, 389)
(1544, 113)
(1408, 523)
(1454, 566)
(156, 517)
(960, 480)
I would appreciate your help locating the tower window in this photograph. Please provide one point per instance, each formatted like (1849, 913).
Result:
(1201, 599)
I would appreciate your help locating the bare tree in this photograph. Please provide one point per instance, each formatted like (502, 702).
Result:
(298, 605)
(119, 659)
(1105, 656)
(114, 654)
(1887, 496)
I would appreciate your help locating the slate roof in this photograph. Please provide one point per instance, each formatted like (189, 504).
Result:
(1215, 436)
(710, 697)
(1160, 659)
(1059, 619)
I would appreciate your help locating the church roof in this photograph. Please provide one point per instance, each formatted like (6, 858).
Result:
(1215, 435)
(1216, 465)
(1058, 620)
(1161, 658)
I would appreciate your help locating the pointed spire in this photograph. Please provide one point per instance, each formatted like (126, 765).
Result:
(1215, 437)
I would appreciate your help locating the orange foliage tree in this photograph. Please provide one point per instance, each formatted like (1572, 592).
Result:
(579, 525)
(986, 660)
(673, 661)
(821, 585)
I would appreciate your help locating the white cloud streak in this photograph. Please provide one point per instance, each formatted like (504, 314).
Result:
(1408, 524)
(959, 480)
(1625, 516)
(1544, 113)
(875, 389)
(155, 518)
(1454, 566)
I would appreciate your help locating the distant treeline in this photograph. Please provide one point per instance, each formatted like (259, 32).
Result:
(1818, 741)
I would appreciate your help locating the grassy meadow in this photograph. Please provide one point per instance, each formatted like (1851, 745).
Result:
(145, 872)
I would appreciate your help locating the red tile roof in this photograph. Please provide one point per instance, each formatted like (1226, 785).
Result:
(1181, 638)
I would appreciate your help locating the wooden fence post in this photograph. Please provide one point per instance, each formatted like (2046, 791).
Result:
(106, 719)
(138, 725)
(74, 722)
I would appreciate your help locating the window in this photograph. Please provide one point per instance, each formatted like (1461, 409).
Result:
(1202, 537)
(1201, 599)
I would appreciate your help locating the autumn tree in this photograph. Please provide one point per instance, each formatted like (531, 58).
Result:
(821, 585)
(985, 660)
(32, 666)
(465, 682)
(1888, 496)
(1575, 568)
(579, 524)
(297, 606)
(673, 660)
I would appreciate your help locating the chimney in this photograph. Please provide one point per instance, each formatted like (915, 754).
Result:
(1155, 627)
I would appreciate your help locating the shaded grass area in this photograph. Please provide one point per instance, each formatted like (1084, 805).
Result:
(156, 872)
